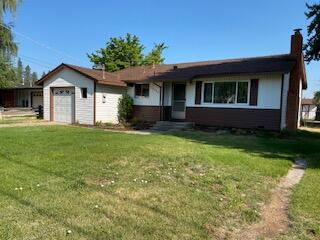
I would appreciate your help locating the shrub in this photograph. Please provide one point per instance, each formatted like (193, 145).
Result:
(125, 108)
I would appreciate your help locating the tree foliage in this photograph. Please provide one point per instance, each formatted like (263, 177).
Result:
(125, 108)
(8, 5)
(27, 76)
(312, 48)
(34, 77)
(155, 56)
(8, 47)
(124, 52)
(316, 100)
(19, 71)
(6, 72)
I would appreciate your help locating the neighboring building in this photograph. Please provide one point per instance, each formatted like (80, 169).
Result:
(21, 96)
(260, 92)
(308, 109)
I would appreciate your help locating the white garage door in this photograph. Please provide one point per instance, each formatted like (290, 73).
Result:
(37, 99)
(63, 105)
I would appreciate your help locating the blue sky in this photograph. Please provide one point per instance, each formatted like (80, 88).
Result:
(194, 30)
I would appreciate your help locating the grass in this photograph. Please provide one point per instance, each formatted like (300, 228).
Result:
(103, 185)
(305, 203)
(17, 119)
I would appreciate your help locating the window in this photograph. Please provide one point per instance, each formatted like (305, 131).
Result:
(142, 90)
(207, 92)
(226, 92)
(84, 92)
(242, 95)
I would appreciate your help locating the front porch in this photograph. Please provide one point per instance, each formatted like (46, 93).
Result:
(160, 101)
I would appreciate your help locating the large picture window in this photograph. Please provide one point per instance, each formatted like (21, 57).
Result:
(224, 92)
(141, 90)
(230, 92)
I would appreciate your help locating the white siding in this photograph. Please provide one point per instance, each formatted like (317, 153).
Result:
(152, 100)
(107, 98)
(284, 100)
(300, 99)
(308, 112)
(167, 94)
(70, 78)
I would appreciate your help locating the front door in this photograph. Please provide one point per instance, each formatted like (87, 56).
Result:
(179, 101)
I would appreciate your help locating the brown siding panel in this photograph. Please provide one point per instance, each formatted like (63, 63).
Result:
(198, 92)
(147, 113)
(254, 86)
(235, 117)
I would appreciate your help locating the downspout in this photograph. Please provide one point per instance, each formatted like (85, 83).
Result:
(160, 101)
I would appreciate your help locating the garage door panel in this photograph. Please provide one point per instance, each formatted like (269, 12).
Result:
(63, 105)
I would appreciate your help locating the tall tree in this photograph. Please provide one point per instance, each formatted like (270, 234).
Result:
(8, 48)
(155, 56)
(124, 52)
(27, 76)
(8, 5)
(34, 77)
(316, 100)
(43, 74)
(19, 71)
(6, 72)
(312, 48)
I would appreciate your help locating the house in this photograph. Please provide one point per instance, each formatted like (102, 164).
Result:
(21, 96)
(308, 109)
(259, 92)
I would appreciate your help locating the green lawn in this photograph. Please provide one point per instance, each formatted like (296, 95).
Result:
(103, 185)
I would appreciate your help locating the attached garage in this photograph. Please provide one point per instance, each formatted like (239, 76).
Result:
(73, 94)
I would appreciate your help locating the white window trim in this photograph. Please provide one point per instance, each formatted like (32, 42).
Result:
(225, 104)
(137, 96)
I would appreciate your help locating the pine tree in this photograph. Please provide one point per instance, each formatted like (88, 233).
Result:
(312, 48)
(43, 74)
(19, 72)
(27, 76)
(34, 77)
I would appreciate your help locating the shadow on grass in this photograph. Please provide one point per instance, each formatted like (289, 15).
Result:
(288, 145)
(42, 212)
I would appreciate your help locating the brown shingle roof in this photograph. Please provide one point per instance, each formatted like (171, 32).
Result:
(96, 75)
(188, 71)
(307, 101)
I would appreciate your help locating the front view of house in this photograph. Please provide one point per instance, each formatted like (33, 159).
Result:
(260, 93)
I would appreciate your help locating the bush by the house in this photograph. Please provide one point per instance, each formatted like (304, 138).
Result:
(125, 108)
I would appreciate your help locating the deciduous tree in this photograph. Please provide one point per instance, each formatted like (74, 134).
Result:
(124, 52)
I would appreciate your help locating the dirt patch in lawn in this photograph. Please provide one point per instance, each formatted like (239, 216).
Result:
(274, 215)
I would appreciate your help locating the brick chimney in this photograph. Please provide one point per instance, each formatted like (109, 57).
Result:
(296, 43)
(295, 81)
